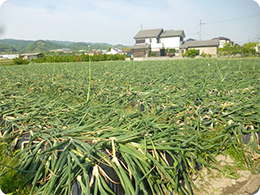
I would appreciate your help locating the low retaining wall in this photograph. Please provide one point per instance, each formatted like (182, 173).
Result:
(163, 58)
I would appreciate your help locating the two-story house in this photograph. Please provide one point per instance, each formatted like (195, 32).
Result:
(156, 41)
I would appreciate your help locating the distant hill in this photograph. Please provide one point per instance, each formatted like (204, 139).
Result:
(17, 44)
(25, 46)
(4, 48)
(84, 46)
(63, 43)
(40, 46)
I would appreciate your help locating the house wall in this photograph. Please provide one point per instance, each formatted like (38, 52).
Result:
(207, 50)
(141, 52)
(30, 57)
(257, 48)
(222, 43)
(154, 45)
(171, 42)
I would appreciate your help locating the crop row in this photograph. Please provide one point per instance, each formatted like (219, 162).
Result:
(132, 127)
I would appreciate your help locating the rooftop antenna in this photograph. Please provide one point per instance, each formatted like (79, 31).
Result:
(200, 33)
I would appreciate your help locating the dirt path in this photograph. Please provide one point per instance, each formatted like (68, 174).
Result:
(239, 182)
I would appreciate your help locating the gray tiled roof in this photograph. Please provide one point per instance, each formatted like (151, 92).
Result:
(141, 46)
(30, 54)
(208, 43)
(172, 33)
(151, 33)
(221, 38)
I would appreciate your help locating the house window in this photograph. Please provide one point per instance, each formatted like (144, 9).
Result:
(140, 40)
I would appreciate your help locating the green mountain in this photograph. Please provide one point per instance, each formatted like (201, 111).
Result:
(63, 43)
(24, 46)
(40, 46)
(85, 46)
(17, 44)
(7, 49)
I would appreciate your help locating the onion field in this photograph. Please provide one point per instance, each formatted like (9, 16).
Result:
(127, 127)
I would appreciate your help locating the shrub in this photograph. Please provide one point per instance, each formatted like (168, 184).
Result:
(205, 55)
(20, 60)
(152, 54)
(191, 53)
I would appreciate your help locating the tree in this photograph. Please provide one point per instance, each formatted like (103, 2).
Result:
(248, 49)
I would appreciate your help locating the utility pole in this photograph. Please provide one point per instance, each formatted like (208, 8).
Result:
(141, 26)
(200, 33)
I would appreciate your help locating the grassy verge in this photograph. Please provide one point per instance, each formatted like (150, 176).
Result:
(6, 62)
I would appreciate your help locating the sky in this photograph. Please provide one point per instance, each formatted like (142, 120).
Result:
(118, 21)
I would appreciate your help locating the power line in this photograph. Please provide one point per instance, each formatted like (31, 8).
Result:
(200, 33)
(233, 19)
(257, 36)
(228, 20)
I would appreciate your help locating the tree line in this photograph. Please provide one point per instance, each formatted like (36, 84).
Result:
(247, 50)
(71, 58)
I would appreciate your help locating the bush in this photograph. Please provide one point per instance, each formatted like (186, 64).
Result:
(20, 60)
(191, 53)
(205, 55)
(152, 54)
(80, 58)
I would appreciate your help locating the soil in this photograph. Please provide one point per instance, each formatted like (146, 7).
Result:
(238, 182)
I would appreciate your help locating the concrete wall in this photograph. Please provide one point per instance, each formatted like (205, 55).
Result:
(156, 58)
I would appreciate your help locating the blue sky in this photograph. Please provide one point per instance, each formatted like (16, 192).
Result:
(117, 21)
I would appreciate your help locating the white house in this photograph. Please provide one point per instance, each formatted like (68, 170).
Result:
(32, 56)
(9, 56)
(156, 41)
(114, 51)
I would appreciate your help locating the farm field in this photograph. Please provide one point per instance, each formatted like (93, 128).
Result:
(128, 127)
